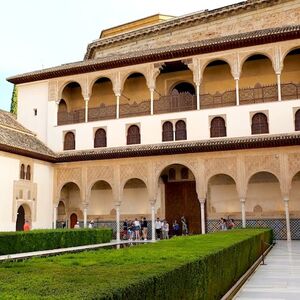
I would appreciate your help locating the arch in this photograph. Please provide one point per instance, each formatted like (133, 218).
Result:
(66, 84)
(259, 124)
(23, 215)
(132, 74)
(178, 196)
(180, 130)
(289, 51)
(297, 120)
(167, 131)
(217, 127)
(100, 138)
(98, 78)
(28, 172)
(62, 106)
(134, 87)
(22, 171)
(294, 202)
(261, 171)
(222, 196)
(73, 220)
(133, 135)
(69, 141)
(183, 87)
(215, 61)
(254, 54)
(61, 208)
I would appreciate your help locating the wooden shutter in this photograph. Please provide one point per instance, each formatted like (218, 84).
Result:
(22, 172)
(172, 174)
(133, 135)
(217, 127)
(100, 138)
(180, 130)
(184, 173)
(297, 120)
(69, 143)
(28, 173)
(259, 124)
(167, 134)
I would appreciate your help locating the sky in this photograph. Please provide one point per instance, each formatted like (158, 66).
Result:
(37, 34)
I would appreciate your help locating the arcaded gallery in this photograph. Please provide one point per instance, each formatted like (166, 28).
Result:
(194, 116)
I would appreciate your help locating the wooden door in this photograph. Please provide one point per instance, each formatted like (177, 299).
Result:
(20, 218)
(73, 220)
(181, 200)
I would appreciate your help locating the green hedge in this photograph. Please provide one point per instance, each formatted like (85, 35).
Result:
(36, 240)
(196, 267)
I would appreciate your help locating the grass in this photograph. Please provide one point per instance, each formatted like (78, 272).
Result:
(102, 274)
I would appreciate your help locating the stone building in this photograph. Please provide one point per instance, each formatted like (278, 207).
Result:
(168, 116)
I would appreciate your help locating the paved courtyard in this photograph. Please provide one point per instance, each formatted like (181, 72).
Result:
(279, 278)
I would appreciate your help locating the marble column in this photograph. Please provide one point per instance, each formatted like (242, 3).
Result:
(55, 205)
(243, 210)
(198, 95)
(237, 91)
(152, 101)
(153, 220)
(279, 85)
(85, 208)
(86, 110)
(202, 213)
(118, 222)
(118, 106)
(287, 218)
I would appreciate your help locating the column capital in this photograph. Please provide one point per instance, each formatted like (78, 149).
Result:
(236, 78)
(85, 205)
(242, 200)
(286, 199)
(202, 200)
(86, 98)
(117, 204)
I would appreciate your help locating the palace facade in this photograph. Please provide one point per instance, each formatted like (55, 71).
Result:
(166, 116)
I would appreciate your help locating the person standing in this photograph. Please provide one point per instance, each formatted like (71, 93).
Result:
(77, 226)
(184, 226)
(158, 228)
(26, 226)
(91, 224)
(165, 230)
(144, 226)
(137, 228)
(175, 228)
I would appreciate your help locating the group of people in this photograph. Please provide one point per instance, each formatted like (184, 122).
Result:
(226, 224)
(162, 228)
(135, 230)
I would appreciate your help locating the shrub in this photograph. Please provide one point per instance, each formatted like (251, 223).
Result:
(195, 267)
(36, 240)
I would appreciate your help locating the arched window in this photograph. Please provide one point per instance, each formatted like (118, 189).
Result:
(28, 173)
(22, 172)
(100, 138)
(69, 142)
(180, 130)
(184, 173)
(167, 133)
(62, 106)
(133, 135)
(184, 87)
(259, 124)
(172, 174)
(217, 127)
(297, 120)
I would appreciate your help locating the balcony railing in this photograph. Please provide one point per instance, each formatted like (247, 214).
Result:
(177, 102)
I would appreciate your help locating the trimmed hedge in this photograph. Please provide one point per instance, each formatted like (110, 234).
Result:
(195, 267)
(36, 240)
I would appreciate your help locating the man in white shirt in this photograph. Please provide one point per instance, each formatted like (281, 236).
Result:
(158, 228)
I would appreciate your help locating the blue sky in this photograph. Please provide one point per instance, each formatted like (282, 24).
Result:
(38, 34)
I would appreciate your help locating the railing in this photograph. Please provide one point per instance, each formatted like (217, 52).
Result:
(227, 98)
(177, 102)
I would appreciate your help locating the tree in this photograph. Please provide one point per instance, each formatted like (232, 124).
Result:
(14, 101)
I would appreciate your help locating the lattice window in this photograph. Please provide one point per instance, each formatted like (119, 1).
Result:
(100, 138)
(22, 172)
(167, 133)
(184, 172)
(133, 135)
(217, 127)
(259, 124)
(28, 173)
(172, 174)
(297, 120)
(180, 130)
(69, 142)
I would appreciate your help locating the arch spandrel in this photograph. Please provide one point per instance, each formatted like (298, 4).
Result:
(62, 84)
(92, 81)
(285, 49)
(138, 171)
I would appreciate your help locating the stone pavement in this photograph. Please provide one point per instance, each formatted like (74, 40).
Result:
(279, 278)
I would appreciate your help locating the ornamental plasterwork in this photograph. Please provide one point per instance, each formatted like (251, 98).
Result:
(133, 170)
(293, 165)
(99, 173)
(67, 175)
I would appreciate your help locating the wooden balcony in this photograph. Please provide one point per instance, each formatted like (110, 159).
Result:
(184, 102)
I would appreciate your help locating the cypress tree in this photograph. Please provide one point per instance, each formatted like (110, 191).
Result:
(14, 101)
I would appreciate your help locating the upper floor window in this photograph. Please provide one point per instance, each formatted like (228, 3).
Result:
(22, 172)
(180, 130)
(172, 174)
(28, 173)
(217, 127)
(259, 124)
(297, 120)
(100, 138)
(69, 142)
(167, 133)
(184, 87)
(184, 172)
(133, 135)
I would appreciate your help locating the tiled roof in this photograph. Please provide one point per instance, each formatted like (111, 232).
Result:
(216, 144)
(264, 36)
(15, 138)
(184, 21)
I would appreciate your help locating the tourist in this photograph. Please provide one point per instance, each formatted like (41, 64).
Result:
(137, 228)
(223, 226)
(184, 226)
(77, 226)
(158, 228)
(130, 230)
(165, 230)
(125, 230)
(144, 226)
(26, 226)
(231, 224)
(175, 228)
(91, 224)
(63, 224)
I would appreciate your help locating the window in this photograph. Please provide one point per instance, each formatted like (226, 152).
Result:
(184, 173)
(100, 138)
(28, 173)
(133, 135)
(259, 124)
(217, 127)
(180, 130)
(35, 111)
(167, 133)
(297, 120)
(69, 142)
(172, 174)
(22, 172)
